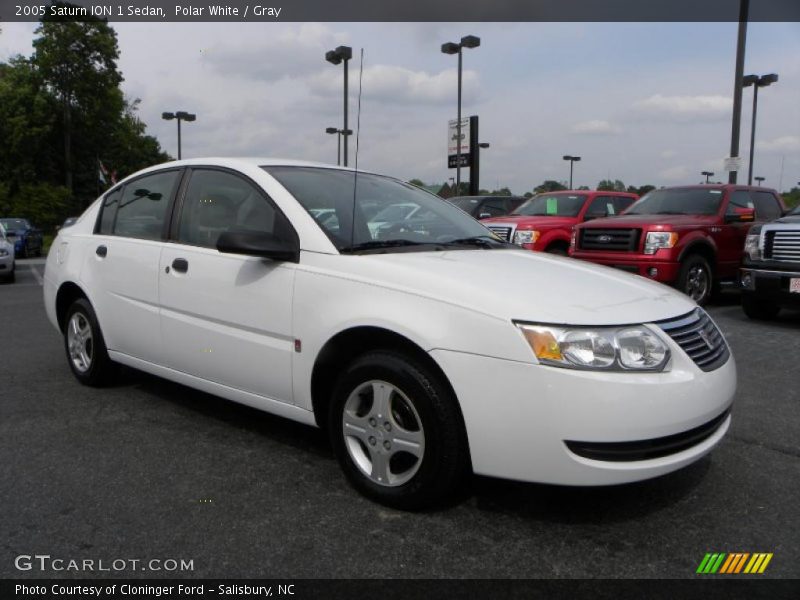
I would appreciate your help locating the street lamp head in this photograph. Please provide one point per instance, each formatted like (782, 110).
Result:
(182, 114)
(766, 80)
(344, 52)
(450, 48)
(470, 41)
(572, 158)
(167, 116)
(483, 145)
(333, 57)
(749, 80)
(346, 132)
(331, 130)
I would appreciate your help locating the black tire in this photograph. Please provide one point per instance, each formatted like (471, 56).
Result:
(444, 461)
(100, 368)
(557, 249)
(696, 279)
(759, 309)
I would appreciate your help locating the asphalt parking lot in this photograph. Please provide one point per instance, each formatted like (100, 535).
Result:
(149, 469)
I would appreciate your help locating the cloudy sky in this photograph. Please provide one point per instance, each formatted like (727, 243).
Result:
(644, 103)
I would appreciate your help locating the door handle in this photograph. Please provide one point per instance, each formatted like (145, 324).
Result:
(101, 251)
(181, 265)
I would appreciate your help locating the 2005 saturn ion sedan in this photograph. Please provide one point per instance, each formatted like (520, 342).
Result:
(427, 347)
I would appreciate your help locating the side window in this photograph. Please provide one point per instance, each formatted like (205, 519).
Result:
(767, 207)
(217, 202)
(494, 206)
(601, 206)
(739, 199)
(109, 211)
(621, 203)
(143, 208)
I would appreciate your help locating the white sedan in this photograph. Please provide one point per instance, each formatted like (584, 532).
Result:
(7, 263)
(427, 354)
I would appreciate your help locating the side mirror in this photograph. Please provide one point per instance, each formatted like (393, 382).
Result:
(254, 243)
(484, 215)
(741, 215)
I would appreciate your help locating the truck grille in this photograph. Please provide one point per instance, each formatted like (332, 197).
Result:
(697, 335)
(782, 245)
(621, 240)
(502, 231)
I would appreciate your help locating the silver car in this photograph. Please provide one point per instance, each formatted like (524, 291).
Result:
(6, 257)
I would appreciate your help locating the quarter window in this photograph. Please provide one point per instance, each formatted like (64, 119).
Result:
(143, 208)
(217, 202)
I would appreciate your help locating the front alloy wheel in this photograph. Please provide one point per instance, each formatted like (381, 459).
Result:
(695, 279)
(397, 431)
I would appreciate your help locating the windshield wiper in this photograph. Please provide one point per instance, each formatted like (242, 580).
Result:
(481, 241)
(378, 244)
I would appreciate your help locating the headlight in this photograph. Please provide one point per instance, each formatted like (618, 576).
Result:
(751, 246)
(659, 239)
(3, 252)
(526, 237)
(629, 348)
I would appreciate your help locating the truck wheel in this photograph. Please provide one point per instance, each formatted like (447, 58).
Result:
(397, 431)
(759, 309)
(557, 249)
(695, 279)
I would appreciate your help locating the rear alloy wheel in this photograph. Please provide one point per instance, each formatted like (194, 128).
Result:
(759, 309)
(397, 431)
(86, 350)
(695, 279)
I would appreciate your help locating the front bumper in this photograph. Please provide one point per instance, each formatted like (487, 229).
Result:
(657, 270)
(6, 264)
(770, 285)
(520, 416)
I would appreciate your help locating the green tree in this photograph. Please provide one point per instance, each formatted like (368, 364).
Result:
(77, 62)
(606, 185)
(792, 197)
(417, 182)
(549, 185)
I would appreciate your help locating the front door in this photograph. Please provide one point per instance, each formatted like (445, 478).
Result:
(227, 318)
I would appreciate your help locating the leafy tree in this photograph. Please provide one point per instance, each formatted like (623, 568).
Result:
(606, 185)
(644, 189)
(584, 187)
(417, 182)
(503, 191)
(549, 185)
(528, 194)
(792, 197)
(77, 62)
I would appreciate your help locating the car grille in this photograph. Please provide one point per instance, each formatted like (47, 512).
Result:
(502, 231)
(621, 240)
(647, 449)
(782, 245)
(697, 335)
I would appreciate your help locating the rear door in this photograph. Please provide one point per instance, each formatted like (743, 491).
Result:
(121, 266)
(227, 318)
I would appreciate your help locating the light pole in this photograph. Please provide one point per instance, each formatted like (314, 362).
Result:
(339, 133)
(180, 115)
(756, 82)
(336, 56)
(760, 180)
(741, 39)
(707, 174)
(572, 160)
(468, 41)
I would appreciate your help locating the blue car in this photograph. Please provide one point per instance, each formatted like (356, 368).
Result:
(26, 238)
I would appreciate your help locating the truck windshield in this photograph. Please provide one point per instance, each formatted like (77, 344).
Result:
(383, 215)
(552, 205)
(678, 201)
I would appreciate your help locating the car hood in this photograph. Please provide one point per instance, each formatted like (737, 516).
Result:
(662, 220)
(523, 285)
(793, 219)
(523, 221)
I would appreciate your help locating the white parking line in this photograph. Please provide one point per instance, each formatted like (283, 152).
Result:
(38, 275)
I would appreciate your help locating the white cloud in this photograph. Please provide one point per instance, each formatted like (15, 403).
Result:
(679, 173)
(596, 127)
(685, 108)
(783, 144)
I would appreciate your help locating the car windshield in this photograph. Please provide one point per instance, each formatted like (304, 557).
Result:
(686, 201)
(552, 205)
(794, 212)
(386, 215)
(14, 224)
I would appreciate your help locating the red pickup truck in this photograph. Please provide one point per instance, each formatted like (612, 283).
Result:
(690, 237)
(545, 221)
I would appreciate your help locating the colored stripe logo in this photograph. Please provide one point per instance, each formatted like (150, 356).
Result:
(734, 563)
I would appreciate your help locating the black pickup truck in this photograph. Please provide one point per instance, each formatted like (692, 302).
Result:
(770, 273)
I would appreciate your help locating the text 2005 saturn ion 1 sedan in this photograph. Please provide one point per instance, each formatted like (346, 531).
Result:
(427, 349)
